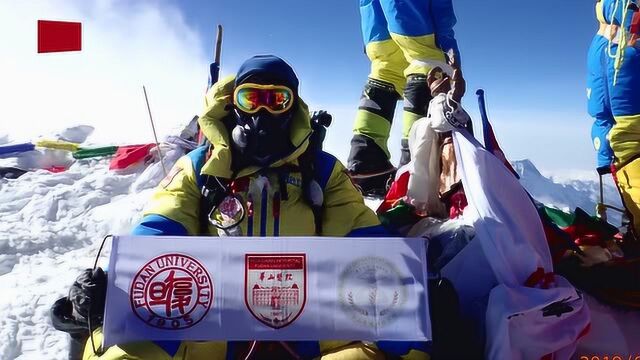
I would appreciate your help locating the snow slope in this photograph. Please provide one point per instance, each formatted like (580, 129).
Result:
(52, 226)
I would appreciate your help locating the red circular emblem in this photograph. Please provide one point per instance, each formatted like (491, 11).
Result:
(172, 291)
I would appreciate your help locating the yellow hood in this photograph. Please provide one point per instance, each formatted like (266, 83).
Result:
(219, 162)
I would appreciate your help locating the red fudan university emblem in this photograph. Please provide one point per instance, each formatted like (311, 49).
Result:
(275, 287)
(172, 292)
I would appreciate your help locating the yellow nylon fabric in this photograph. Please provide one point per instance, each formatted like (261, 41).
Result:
(600, 12)
(177, 198)
(394, 59)
(58, 145)
(629, 184)
(344, 207)
(419, 49)
(625, 137)
(341, 350)
(408, 118)
(147, 350)
(374, 126)
(387, 63)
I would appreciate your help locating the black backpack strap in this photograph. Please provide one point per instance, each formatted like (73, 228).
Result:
(313, 181)
(213, 191)
(311, 190)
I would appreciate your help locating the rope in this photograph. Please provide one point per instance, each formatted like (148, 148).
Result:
(153, 127)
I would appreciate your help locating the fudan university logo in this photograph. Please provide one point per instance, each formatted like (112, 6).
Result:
(275, 287)
(172, 292)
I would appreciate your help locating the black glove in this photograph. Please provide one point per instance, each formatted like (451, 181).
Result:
(62, 319)
(87, 295)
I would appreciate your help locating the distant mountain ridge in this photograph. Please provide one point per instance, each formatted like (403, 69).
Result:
(567, 194)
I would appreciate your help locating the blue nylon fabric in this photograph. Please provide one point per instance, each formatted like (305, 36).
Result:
(625, 95)
(169, 346)
(599, 130)
(372, 231)
(410, 17)
(407, 18)
(198, 157)
(373, 23)
(380, 18)
(324, 164)
(616, 19)
(598, 106)
(16, 148)
(400, 348)
(306, 349)
(444, 19)
(158, 225)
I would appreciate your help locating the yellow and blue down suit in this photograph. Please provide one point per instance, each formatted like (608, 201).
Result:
(614, 96)
(174, 210)
(404, 40)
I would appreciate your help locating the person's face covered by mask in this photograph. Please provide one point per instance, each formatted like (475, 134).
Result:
(264, 100)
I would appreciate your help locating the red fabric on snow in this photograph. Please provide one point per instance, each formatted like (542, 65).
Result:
(129, 155)
(56, 169)
(397, 191)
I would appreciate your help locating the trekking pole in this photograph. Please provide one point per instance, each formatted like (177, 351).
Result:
(153, 127)
(601, 207)
(601, 210)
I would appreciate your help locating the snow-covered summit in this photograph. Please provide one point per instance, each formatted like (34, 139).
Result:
(525, 168)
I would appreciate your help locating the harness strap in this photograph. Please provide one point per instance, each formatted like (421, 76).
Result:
(213, 191)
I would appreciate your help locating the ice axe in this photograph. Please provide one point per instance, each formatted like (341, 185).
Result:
(214, 67)
(214, 74)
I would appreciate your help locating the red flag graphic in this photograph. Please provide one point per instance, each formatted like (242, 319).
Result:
(57, 36)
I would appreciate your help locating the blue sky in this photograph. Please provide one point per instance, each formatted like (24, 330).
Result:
(530, 57)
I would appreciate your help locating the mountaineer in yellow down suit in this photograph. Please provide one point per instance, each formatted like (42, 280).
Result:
(261, 156)
(405, 40)
(614, 97)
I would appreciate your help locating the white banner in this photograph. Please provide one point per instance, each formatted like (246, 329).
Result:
(228, 288)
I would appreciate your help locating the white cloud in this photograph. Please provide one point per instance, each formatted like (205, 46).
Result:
(125, 45)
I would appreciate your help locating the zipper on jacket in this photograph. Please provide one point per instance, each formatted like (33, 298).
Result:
(249, 215)
(276, 214)
(263, 211)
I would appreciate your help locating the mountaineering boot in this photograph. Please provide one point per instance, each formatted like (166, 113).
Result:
(416, 106)
(375, 186)
(405, 154)
(368, 163)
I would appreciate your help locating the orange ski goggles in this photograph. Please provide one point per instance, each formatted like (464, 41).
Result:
(250, 98)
